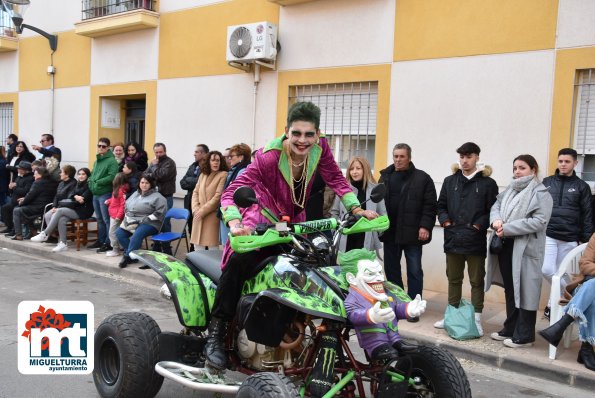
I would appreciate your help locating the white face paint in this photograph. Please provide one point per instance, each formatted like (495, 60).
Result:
(369, 279)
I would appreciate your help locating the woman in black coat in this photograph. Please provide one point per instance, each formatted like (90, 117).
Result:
(21, 154)
(31, 206)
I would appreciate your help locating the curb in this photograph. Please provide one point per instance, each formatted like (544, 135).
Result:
(74, 260)
(551, 373)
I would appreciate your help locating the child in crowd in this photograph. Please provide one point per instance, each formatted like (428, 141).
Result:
(116, 206)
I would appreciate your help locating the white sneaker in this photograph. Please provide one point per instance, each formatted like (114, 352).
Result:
(60, 247)
(512, 344)
(41, 237)
(439, 324)
(113, 253)
(165, 292)
(478, 323)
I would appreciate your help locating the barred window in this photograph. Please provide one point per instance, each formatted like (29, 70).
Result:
(348, 116)
(6, 121)
(584, 123)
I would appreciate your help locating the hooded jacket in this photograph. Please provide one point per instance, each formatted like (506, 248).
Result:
(146, 208)
(466, 204)
(571, 219)
(416, 208)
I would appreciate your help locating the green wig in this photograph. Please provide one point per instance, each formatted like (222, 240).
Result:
(348, 260)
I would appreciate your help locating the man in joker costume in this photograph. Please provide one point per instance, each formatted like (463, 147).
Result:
(374, 311)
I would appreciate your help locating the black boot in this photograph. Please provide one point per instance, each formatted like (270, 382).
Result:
(586, 356)
(384, 352)
(554, 333)
(405, 348)
(215, 347)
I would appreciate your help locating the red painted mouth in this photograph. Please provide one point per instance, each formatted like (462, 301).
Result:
(378, 287)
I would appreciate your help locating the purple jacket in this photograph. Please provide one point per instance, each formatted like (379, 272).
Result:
(372, 335)
(270, 175)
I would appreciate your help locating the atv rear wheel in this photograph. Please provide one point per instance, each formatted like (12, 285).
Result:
(440, 374)
(267, 385)
(126, 351)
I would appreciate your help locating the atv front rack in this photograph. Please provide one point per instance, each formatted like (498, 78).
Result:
(197, 378)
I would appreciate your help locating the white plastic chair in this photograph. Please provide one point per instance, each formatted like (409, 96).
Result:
(569, 266)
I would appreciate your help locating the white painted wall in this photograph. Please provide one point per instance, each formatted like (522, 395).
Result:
(216, 111)
(71, 123)
(336, 33)
(501, 102)
(71, 127)
(575, 23)
(52, 15)
(176, 5)
(9, 72)
(125, 57)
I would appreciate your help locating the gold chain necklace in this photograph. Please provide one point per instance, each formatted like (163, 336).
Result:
(302, 199)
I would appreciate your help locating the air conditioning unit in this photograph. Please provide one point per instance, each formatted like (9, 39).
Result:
(252, 42)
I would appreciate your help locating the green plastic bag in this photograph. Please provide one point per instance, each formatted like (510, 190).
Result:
(460, 322)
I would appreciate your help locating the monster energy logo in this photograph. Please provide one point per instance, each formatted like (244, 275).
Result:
(328, 360)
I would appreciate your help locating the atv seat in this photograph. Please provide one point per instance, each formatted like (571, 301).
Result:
(208, 262)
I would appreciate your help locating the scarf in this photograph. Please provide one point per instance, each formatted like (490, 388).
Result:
(515, 201)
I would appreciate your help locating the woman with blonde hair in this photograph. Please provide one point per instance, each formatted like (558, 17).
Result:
(359, 176)
(205, 200)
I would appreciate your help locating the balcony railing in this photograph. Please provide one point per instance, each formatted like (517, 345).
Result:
(102, 8)
(6, 25)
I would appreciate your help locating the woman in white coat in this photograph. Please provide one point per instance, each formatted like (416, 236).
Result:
(520, 217)
(359, 175)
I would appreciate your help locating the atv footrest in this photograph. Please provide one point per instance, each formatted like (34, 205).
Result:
(197, 378)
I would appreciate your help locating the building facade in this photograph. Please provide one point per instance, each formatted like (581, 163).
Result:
(513, 76)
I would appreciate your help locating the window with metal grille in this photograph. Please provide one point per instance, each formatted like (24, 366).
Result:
(584, 123)
(6, 117)
(348, 116)
(6, 25)
(101, 8)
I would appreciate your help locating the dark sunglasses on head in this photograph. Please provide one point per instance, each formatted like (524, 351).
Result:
(103, 146)
(308, 134)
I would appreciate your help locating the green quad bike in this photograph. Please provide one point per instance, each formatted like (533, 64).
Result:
(290, 334)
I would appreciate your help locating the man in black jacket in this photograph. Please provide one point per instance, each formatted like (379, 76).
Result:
(188, 182)
(571, 221)
(411, 206)
(19, 189)
(464, 207)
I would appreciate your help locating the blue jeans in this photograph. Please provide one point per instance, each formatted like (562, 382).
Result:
(134, 241)
(582, 306)
(102, 216)
(392, 266)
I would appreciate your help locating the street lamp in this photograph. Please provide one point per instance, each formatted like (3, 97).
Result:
(16, 9)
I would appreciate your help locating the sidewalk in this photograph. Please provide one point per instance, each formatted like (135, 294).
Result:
(532, 361)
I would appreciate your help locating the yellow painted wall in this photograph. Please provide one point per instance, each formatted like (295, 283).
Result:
(193, 42)
(72, 60)
(427, 29)
(14, 98)
(567, 63)
(380, 73)
(122, 91)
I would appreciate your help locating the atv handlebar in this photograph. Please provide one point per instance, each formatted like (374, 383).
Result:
(282, 232)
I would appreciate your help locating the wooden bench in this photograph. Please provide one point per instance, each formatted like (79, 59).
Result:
(79, 231)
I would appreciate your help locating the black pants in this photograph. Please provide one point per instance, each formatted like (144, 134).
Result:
(519, 323)
(239, 268)
(6, 212)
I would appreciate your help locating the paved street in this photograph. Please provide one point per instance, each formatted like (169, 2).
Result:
(26, 277)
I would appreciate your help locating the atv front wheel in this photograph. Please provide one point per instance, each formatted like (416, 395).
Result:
(267, 385)
(439, 372)
(126, 351)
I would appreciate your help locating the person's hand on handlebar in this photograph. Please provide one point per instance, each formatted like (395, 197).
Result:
(236, 228)
(369, 214)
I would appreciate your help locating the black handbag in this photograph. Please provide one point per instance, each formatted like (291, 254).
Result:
(70, 203)
(496, 244)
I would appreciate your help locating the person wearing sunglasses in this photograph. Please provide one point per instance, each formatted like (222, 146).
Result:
(105, 169)
(281, 174)
(47, 148)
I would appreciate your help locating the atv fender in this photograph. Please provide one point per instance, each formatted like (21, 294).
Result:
(192, 295)
(276, 308)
